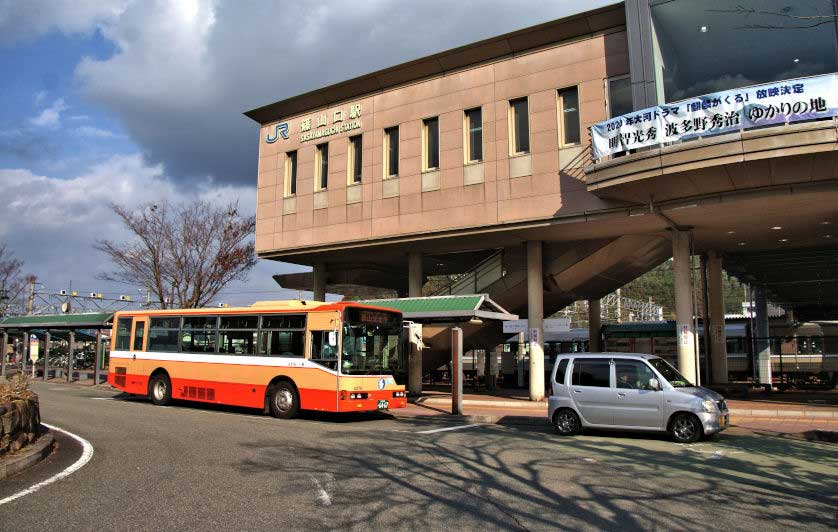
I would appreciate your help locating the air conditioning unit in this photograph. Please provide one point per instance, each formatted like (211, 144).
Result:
(167, 300)
(62, 292)
(223, 305)
(74, 293)
(92, 294)
(125, 298)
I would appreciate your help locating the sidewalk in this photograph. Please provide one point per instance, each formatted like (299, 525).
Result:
(512, 407)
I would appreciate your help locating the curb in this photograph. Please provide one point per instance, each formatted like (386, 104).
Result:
(524, 405)
(28, 456)
(485, 419)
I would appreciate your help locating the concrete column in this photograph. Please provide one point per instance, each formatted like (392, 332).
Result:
(716, 306)
(414, 369)
(46, 354)
(416, 277)
(594, 325)
(535, 311)
(4, 347)
(761, 333)
(319, 287)
(684, 304)
(25, 351)
(71, 351)
(457, 371)
(519, 358)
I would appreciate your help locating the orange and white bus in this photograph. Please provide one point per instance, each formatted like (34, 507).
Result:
(283, 356)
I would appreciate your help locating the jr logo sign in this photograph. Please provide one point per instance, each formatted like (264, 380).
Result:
(280, 131)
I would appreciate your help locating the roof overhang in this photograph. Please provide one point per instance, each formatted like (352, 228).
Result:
(564, 29)
(446, 309)
(99, 320)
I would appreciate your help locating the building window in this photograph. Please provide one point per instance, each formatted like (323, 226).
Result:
(519, 126)
(391, 152)
(474, 135)
(354, 160)
(619, 96)
(430, 144)
(569, 116)
(322, 165)
(290, 173)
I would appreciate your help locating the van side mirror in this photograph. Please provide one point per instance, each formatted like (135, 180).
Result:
(654, 384)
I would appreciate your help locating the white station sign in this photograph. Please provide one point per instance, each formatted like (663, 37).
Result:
(552, 325)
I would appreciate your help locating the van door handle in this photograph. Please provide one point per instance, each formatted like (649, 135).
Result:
(578, 391)
(622, 394)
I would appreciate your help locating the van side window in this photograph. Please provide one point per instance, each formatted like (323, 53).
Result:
(592, 372)
(633, 374)
(561, 371)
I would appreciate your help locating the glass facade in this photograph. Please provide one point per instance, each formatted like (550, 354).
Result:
(714, 45)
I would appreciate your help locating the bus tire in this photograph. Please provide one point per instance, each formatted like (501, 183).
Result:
(160, 389)
(283, 400)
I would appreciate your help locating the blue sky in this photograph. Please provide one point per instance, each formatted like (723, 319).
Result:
(141, 100)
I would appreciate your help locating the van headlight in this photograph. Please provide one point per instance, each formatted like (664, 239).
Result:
(709, 405)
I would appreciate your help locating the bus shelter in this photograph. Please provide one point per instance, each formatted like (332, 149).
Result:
(61, 344)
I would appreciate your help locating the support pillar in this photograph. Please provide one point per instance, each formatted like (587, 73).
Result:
(46, 354)
(456, 371)
(319, 283)
(4, 348)
(716, 306)
(25, 351)
(535, 311)
(414, 362)
(519, 359)
(97, 358)
(71, 353)
(594, 326)
(416, 278)
(684, 304)
(761, 333)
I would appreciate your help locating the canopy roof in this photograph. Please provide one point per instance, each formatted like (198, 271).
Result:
(94, 320)
(442, 309)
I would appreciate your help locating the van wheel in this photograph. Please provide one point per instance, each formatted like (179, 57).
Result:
(685, 428)
(283, 400)
(566, 422)
(160, 389)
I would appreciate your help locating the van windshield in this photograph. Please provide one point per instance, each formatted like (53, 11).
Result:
(669, 373)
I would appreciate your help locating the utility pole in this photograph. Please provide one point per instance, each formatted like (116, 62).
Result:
(30, 304)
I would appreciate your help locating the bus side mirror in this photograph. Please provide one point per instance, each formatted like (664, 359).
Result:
(654, 384)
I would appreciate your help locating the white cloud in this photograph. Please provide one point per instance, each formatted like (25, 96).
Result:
(39, 97)
(52, 223)
(29, 19)
(183, 73)
(90, 131)
(51, 116)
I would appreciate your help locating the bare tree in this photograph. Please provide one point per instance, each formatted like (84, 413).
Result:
(183, 254)
(11, 280)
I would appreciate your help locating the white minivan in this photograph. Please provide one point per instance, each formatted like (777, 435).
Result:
(631, 392)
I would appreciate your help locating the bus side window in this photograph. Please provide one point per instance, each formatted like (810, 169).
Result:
(139, 333)
(324, 349)
(123, 334)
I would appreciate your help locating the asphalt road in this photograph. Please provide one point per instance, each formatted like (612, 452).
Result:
(200, 468)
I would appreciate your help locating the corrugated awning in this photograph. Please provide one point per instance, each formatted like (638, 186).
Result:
(94, 320)
(443, 309)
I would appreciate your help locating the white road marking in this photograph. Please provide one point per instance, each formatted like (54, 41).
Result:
(103, 399)
(86, 455)
(322, 494)
(461, 427)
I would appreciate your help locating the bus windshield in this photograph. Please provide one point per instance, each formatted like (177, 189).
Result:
(371, 343)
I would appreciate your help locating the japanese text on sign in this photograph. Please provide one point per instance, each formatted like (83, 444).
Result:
(721, 112)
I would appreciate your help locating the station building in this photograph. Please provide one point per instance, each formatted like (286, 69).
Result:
(558, 162)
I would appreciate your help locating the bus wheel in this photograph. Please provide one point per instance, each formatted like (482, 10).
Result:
(284, 400)
(160, 389)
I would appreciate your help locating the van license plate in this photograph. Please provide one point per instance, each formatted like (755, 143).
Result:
(383, 404)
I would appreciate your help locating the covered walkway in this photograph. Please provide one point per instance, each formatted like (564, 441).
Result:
(64, 344)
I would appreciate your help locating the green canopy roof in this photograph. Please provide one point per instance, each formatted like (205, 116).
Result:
(445, 308)
(95, 320)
